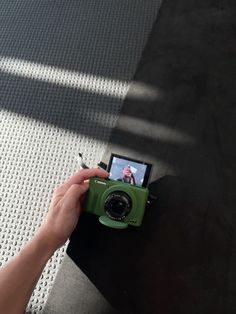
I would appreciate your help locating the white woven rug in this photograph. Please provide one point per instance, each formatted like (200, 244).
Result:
(65, 68)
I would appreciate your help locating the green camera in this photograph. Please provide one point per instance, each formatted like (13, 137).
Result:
(121, 199)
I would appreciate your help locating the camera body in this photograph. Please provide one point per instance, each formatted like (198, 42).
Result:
(119, 200)
(117, 203)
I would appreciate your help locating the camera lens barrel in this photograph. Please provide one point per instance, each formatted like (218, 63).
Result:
(118, 205)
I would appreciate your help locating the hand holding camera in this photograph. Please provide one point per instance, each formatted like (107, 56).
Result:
(66, 208)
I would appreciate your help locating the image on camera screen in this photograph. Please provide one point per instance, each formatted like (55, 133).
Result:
(128, 170)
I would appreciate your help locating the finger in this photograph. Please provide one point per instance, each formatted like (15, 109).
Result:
(72, 197)
(85, 174)
(82, 198)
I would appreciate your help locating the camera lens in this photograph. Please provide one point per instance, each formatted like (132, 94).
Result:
(118, 205)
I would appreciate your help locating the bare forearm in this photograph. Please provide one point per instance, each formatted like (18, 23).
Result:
(19, 277)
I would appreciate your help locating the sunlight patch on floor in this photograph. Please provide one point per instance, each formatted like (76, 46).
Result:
(63, 77)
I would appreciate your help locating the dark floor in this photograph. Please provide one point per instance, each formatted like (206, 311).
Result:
(183, 258)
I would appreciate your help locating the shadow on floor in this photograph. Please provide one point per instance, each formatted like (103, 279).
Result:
(181, 260)
(174, 263)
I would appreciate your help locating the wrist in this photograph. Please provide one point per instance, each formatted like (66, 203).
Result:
(43, 243)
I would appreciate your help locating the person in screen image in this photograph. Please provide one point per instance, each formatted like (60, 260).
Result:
(128, 176)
